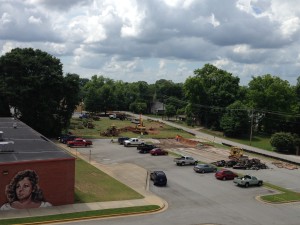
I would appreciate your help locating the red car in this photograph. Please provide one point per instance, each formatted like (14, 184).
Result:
(79, 142)
(158, 151)
(225, 175)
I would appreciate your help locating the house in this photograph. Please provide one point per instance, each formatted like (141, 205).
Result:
(158, 108)
(24, 149)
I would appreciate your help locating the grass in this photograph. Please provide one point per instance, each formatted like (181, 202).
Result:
(80, 215)
(261, 141)
(284, 196)
(93, 185)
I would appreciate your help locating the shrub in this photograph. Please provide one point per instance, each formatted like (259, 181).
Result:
(283, 142)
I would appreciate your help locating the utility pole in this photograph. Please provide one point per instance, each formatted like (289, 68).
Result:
(251, 127)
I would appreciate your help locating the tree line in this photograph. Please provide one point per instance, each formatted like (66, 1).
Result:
(34, 89)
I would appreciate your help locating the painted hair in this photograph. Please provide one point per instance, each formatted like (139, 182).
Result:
(37, 194)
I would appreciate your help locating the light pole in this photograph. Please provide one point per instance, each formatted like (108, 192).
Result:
(251, 127)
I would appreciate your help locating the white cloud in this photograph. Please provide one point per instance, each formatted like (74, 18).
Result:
(5, 18)
(148, 40)
(34, 20)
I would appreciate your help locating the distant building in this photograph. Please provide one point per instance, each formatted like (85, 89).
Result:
(22, 148)
(158, 108)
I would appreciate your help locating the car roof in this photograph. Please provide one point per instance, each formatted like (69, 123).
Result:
(159, 172)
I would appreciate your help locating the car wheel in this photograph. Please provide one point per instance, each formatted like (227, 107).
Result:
(259, 183)
(183, 163)
(224, 178)
(202, 171)
(247, 185)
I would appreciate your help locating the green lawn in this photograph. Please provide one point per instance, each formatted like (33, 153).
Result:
(283, 197)
(259, 141)
(80, 215)
(93, 185)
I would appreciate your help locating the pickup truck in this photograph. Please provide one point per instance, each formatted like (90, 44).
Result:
(133, 142)
(247, 181)
(78, 142)
(185, 160)
(146, 148)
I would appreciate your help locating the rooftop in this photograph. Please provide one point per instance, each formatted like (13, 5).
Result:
(19, 142)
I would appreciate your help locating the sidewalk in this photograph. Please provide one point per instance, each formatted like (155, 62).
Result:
(137, 179)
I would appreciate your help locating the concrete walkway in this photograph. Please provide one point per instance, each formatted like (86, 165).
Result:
(137, 179)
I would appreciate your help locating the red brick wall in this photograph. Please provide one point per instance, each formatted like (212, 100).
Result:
(56, 178)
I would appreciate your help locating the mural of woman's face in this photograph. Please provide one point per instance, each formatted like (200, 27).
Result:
(24, 189)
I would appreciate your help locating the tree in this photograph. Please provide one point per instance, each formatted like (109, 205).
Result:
(170, 111)
(270, 94)
(235, 122)
(210, 90)
(138, 107)
(71, 98)
(283, 142)
(34, 87)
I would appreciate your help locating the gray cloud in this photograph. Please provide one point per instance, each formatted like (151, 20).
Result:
(128, 39)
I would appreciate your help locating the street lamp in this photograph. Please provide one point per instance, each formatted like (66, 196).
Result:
(251, 127)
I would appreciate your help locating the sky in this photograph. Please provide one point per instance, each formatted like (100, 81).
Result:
(149, 40)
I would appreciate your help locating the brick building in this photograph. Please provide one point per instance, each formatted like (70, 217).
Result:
(22, 148)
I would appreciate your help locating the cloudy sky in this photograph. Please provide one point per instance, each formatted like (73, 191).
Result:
(148, 40)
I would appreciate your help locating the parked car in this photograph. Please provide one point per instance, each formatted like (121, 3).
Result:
(146, 148)
(122, 139)
(205, 168)
(79, 142)
(225, 175)
(84, 116)
(185, 160)
(66, 137)
(159, 178)
(158, 151)
(247, 181)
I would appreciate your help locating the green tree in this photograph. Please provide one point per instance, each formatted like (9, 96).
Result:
(167, 88)
(235, 122)
(283, 142)
(34, 88)
(138, 107)
(210, 90)
(268, 94)
(170, 111)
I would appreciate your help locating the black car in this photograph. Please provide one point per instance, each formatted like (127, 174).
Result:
(122, 139)
(146, 148)
(67, 137)
(159, 178)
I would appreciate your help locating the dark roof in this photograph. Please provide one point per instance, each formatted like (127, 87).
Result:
(21, 143)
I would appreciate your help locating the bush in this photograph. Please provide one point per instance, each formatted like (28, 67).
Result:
(283, 142)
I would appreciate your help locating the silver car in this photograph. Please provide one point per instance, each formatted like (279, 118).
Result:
(205, 168)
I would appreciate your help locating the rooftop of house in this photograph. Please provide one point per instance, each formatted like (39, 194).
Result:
(19, 142)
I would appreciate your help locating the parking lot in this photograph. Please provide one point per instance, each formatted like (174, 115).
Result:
(200, 198)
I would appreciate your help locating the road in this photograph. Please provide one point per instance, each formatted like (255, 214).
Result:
(198, 198)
